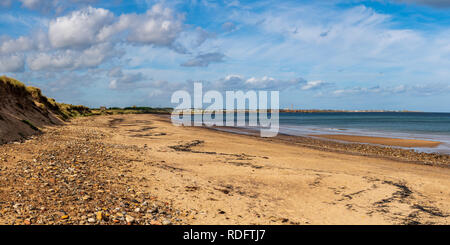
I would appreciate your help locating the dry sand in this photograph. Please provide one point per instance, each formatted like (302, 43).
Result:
(223, 178)
(380, 140)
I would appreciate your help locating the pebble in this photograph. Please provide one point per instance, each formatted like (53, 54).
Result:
(68, 178)
(99, 215)
(130, 219)
(155, 222)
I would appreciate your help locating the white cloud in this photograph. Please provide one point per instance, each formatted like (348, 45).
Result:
(158, 26)
(355, 45)
(351, 46)
(125, 80)
(122, 80)
(265, 82)
(71, 59)
(80, 28)
(12, 63)
(89, 37)
(314, 85)
(324, 38)
(41, 61)
(20, 44)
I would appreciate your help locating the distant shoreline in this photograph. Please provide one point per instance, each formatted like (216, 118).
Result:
(355, 111)
(198, 111)
(167, 110)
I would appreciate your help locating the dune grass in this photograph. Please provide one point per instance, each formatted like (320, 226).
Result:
(68, 111)
(64, 111)
(30, 124)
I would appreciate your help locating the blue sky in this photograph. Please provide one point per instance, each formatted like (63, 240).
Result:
(345, 54)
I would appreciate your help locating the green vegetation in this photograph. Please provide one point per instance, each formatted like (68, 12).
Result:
(67, 111)
(64, 111)
(30, 124)
(130, 110)
(12, 85)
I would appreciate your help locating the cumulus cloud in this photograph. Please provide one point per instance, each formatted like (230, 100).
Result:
(66, 86)
(12, 63)
(80, 28)
(204, 60)
(20, 44)
(263, 83)
(71, 59)
(122, 80)
(284, 39)
(158, 26)
(88, 37)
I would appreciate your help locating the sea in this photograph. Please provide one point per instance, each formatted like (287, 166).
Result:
(405, 125)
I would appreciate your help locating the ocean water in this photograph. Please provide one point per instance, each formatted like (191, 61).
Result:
(409, 125)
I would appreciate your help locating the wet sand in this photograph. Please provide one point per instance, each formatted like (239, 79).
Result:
(380, 140)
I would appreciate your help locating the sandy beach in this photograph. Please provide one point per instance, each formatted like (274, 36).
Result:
(203, 176)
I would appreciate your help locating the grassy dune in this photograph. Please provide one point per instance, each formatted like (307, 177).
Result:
(64, 111)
